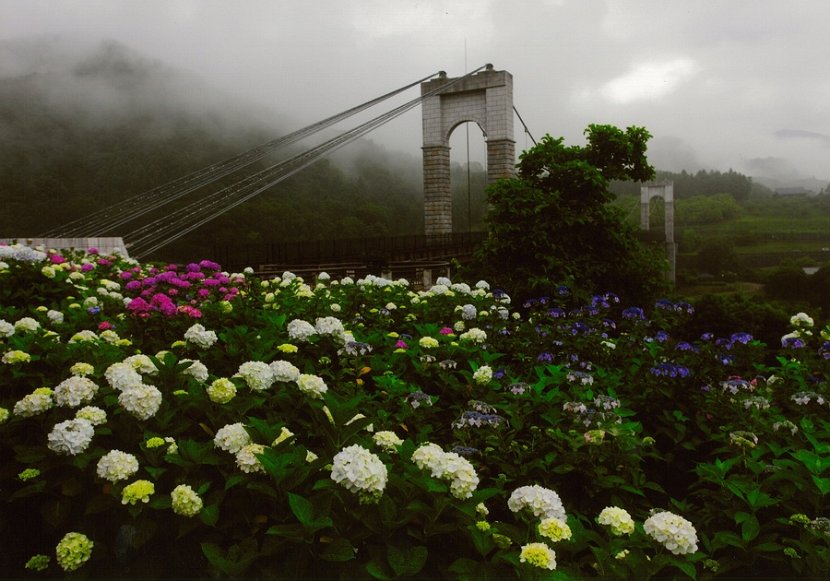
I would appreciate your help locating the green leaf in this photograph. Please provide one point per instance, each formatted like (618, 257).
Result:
(750, 528)
(338, 550)
(685, 566)
(726, 538)
(406, 562)
(210, 515)
(823, 484)
(302, 508)
(378, 569)
(294, 532)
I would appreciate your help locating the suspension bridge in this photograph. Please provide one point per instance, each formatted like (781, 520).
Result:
(483, 96)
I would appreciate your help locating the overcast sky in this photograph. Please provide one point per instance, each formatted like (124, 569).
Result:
(739, 84)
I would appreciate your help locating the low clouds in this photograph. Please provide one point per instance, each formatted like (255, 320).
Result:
(731, 81)
(649, 81)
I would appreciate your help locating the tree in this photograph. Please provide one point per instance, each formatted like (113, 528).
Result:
(552, 223)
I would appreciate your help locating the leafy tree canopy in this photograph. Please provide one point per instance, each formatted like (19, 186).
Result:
(552, 224)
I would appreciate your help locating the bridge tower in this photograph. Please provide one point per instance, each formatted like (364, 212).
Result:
(486, 99)
(664, 190)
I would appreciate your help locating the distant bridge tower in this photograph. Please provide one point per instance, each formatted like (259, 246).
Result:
(664, 190)
(486, 99)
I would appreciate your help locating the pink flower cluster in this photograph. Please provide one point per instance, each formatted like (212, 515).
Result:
(177, 290)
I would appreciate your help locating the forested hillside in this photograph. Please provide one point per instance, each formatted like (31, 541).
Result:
(84, 128)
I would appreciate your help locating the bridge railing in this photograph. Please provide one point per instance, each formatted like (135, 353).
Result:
(378, 250)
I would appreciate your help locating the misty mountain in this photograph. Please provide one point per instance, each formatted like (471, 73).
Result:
(84, 126)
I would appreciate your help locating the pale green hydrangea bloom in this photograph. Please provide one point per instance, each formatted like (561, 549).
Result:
(387, 440)
(428, 342)
(138, 491)
(312, 385)
(4, 415)
(285, 434)
(483, 375)
(82, 369)
(221, 390)
(94, 415)
(617, 519)
(73, 550)
(554, 529)
(29, 474)
(16, 356)
(185, 501)
(539, 555)
(38, 563)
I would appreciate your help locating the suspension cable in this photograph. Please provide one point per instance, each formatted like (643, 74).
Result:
(138, 205)
(154, 233)
(524, 125)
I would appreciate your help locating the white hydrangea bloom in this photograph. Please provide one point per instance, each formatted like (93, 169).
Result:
(197, 370)
(117, 465)
(448, 466)
(541, 501)
(312, 385)
(672, 531)
(201, 337)
(142, 363)
(232, 438)
(387, 440)
(299, 330)
(801, 320)
(483, 284)
(617, 519)
(55, 317)
(483, 375)
(34, 403)
(360, 472)
(122, 376)
(475, 335)
(284, 371)
(74, 391)
(70, 437)
(258, 375)
(83, 336)
(142, 401)
(6, 329)
(246, 458)
(185, 501)
(94, 415)
(26, 325)
(331, 326)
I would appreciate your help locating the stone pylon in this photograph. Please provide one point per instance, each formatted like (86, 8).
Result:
(486, 99)
(664, 190)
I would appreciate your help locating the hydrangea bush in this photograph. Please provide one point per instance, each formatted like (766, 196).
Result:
(178, 420)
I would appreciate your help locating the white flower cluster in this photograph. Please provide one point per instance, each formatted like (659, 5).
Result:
(232, 438)
(475, 335)
(257, 374)
(185, 501)
(201, 337)
(299, 330)
(196, 370)
(617, 519)
(74, 391)
(483, 375)
(801, 320)
(360, 472)
(387, 440)
(142, 401)
(312, 385)
(94, 415)
(674, 532)
(142, 364)
(541, 501)
(117, 465)
(246, 458)
(122, 376)
(35, 403)
(71, 436)
(331, 326)
(447, 466)
(26, 325)
(284, 371)
(6, 329)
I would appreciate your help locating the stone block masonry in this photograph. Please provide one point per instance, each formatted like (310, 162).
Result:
(485, 98)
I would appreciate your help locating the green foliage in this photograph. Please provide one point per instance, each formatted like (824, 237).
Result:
(552, 222)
